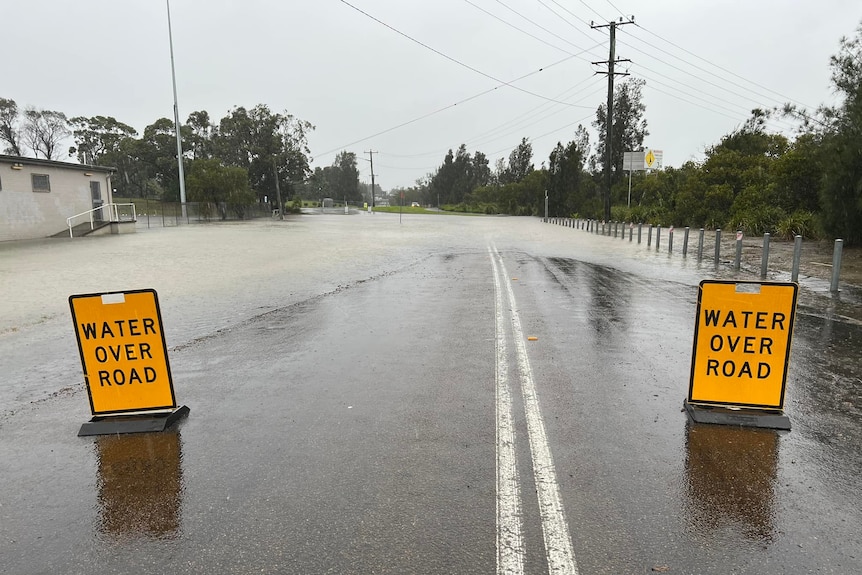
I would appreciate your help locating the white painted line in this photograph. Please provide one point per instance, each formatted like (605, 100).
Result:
(558, 541)
(510, 542)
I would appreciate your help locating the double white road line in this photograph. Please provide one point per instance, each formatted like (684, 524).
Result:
(511, 550)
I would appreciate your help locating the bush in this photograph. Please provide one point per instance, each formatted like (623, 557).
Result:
(800, 222)
(757, 221)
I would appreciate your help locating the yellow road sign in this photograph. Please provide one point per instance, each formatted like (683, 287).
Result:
(123, 351)
(649, 159)
(741, 344)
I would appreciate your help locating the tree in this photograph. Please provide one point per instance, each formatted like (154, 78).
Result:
(158, 152)
(841, 194)
(481, 170)
(43, 132)
(10, 130)
(455, 178)
(217, 186)
(97, 139)
(520, 163)
(567, 189)
(200, 139)
(343, 177)
(265, 143)
(629, 127)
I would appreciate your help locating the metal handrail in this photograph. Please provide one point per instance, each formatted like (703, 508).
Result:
(113, 213)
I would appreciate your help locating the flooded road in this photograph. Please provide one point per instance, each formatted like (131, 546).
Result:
(365, 399)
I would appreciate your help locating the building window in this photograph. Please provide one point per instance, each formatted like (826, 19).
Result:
(41, 183)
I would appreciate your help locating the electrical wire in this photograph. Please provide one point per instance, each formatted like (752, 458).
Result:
(677, 46)
(429, 114)
(707, 94)
(542, 40)
(708, 71)
(546, 134)
(450, 58)
(557, 14)
(594, 11)
(506, 6)
(620, 12)
(504, 125)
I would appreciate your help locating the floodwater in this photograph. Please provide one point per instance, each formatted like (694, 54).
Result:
(340, 372)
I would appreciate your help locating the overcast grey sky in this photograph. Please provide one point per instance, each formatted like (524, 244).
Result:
(353, 77)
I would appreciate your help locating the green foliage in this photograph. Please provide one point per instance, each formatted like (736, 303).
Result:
(801, 223)
(841, 194)
(756, 221)
(629, 126)
(216, 186)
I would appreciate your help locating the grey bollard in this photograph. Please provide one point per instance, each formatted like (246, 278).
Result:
(717, 246)
(631, 231)
(685, 241)
(640, 225)
(738, 258)
(764, 259)
(616, 225)
(670, 241)
(700, 245)
(797, 255)
(657, 237)
(649, 236)
(836, 265)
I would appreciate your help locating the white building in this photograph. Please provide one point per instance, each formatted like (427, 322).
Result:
(37, 196)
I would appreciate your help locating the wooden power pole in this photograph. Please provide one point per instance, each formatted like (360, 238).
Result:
(612, 59)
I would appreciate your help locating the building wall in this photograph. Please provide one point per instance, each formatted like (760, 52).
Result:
(25, 214)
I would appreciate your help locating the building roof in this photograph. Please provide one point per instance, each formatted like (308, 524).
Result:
(54, 164)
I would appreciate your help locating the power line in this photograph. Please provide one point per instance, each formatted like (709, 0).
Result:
(429, 114)
(720, 67)
(572, 14)
(542, 40)
(481, 140)
(539, 137)
(693, 103)
(450, 58)
(696, 77)
(592, 9)
(504, 125)
(506, 6)
(703, 70)
(756, 102)
(620, 12)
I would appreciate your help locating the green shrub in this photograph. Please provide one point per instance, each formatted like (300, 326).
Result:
(800, 222)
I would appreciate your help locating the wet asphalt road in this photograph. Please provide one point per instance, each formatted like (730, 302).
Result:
(390, 415)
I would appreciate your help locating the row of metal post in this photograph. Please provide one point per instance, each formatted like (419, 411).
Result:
(613, 229)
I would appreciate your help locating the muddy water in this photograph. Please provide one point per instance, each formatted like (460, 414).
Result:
(210, 277)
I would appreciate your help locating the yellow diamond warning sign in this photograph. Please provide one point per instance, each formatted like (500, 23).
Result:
(123, 351)
(741, 345)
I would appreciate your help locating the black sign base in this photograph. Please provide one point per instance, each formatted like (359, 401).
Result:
(132, 423)
(743, 417)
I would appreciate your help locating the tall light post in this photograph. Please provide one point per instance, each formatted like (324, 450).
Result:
(177, 118)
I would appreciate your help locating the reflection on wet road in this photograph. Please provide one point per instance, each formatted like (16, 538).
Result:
(731, 474)
(140, 484)
(349, 413)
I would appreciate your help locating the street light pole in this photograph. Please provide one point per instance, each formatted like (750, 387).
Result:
(177, 118)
